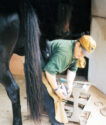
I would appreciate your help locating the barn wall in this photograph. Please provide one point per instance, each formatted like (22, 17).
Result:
(97, 61)
(99, 8)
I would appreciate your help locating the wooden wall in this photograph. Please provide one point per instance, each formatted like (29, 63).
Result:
(17, 65)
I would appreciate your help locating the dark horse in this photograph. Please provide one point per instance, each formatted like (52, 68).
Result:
(22, 33)
(19, 33)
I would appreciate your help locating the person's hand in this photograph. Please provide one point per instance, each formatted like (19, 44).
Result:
(61, 92)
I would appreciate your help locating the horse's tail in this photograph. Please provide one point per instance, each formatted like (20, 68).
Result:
(32, 65)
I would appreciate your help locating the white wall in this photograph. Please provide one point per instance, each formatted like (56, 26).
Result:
(99, 8)
(97, 61)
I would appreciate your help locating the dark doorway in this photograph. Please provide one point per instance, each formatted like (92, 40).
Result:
(81, 18)
(79, 25)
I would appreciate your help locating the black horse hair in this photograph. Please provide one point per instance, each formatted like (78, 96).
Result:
(32, 64)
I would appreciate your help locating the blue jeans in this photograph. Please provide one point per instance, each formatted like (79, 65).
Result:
(49, 105)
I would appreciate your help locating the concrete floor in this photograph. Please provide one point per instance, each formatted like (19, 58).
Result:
(6, 110)
(5, 105)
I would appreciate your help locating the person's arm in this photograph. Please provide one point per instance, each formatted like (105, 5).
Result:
(52, 80)
(70, 78)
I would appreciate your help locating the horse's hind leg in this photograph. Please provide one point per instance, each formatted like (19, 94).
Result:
(13, 93)
(9, 27)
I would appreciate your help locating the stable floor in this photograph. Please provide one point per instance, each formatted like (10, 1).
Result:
(6, 110)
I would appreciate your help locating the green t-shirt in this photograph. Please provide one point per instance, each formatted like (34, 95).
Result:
(62, 57)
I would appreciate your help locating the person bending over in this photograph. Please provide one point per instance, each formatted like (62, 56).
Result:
(64, 55)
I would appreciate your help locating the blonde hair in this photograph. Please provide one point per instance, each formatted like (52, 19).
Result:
(88, 43)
